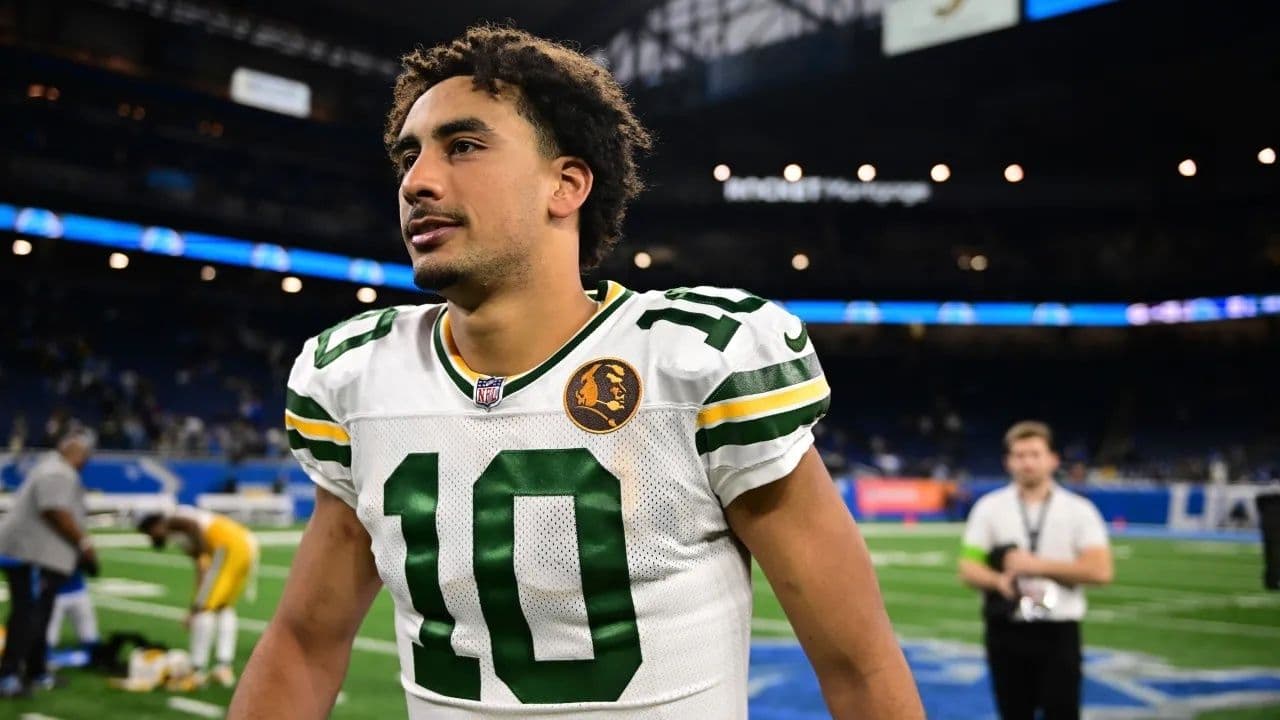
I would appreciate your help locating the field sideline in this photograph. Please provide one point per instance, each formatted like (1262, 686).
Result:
(1185, 629)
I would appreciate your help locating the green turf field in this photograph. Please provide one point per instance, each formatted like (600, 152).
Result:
(1193, 604)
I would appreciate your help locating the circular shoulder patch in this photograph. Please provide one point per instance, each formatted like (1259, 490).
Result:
(602, 395)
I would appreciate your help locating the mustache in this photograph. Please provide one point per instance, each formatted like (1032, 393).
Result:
(424, 211)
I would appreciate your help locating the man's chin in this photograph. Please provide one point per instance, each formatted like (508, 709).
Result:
(435, 279)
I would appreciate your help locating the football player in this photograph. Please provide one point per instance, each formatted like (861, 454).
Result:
(557, 486)
(226, 556)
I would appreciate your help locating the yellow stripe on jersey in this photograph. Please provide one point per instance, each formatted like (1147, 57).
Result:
(316, 429)
(802, 394)
(455, 357)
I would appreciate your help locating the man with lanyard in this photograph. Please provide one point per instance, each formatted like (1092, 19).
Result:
(1031, 547)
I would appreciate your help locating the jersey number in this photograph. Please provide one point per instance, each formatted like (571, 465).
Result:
(719, 329)
(325, 354)
(412, 493)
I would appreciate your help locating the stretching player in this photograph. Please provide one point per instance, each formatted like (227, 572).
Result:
(557, 486)
(226, 555)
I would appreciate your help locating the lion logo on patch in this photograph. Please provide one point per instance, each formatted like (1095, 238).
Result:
(602, 395)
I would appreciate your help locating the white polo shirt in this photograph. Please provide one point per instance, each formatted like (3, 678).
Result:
(1071, 524)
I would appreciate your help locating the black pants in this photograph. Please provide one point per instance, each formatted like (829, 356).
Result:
(31, 593)
(1035, 666)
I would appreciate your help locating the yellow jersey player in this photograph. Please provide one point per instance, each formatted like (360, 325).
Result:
(226, 556)
(557, 486)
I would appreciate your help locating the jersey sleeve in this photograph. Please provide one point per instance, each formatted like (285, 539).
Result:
(978, 538)
(757, 421)
(316, 436)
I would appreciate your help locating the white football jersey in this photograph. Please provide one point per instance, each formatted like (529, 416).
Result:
(555, 541)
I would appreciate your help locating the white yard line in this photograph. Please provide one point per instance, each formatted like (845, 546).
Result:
(278, 538)
(196, 707)
(923, 530)
(771, 625)
(266, 538)
(1246, 600)
(1208, 627)
(930, 576)
(250, 626)
(143, 557)
(1150, 617)
(1125, 686)
(927, 600)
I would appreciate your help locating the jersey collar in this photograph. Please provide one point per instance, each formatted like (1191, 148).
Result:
(614, 296)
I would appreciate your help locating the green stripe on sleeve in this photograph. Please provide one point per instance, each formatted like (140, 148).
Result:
(773, 377)
(322, 450)
(770, 427)
(305, 407)
(974, 553)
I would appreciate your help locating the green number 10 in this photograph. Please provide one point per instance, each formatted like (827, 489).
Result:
(412, 493)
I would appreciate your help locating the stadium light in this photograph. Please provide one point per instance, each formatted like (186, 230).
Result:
(792, 173)
(291, 285)
(139, 112)
(866, 172)
(52, 94)
(722, 172)
(123, 109)
(940, 173)
(118, 261)
(21, 247)
(979, 263)
(208, 273)
(367, 295)
(1267, 156)
(643, 260)
(800, 261)
(236, 252)
(1187, 168)
(35, 90)
(1014, 173)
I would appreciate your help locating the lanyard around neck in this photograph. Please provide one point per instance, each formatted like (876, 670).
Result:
(1033, 533)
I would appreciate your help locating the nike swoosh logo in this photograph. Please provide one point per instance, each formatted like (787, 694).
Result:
(798, 342)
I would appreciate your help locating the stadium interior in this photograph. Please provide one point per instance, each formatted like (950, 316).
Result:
(1117, 153)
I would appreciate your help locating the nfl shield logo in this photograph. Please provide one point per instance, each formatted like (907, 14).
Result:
(489, 391)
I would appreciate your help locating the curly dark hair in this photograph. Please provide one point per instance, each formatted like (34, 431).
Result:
(576, 107)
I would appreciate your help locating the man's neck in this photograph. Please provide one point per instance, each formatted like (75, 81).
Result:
(1035, 493)
(514, 329)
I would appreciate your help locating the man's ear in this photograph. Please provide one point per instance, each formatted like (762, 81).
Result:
(573, 186)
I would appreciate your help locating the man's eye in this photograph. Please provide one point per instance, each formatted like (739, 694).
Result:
(462, 147)
(407, 160)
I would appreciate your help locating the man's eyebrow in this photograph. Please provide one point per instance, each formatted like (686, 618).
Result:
(403, 145)
(461, 125)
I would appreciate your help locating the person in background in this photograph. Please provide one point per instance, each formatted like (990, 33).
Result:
(1031, 547)
(44, 538)
(73, 602)
(226, 555)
